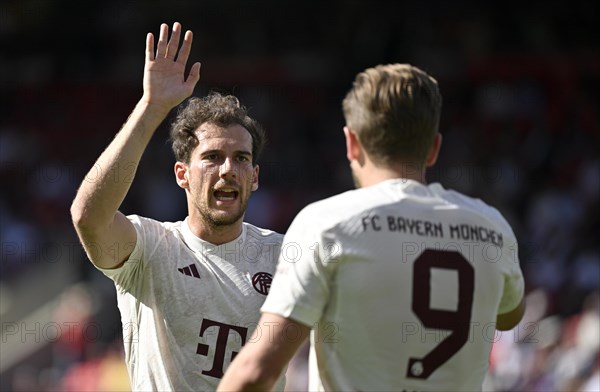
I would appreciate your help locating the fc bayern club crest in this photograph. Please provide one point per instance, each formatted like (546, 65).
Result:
(262, 282)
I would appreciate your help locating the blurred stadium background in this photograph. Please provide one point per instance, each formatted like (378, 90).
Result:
(521, 125)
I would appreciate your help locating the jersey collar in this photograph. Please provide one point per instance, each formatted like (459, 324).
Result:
(197, 244)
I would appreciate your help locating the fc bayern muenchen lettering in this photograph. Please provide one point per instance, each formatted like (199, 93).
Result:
(476, 233)
(424, 228)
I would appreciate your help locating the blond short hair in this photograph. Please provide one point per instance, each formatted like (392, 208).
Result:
(395, 111)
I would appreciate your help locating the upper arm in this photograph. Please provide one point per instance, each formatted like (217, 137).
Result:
(108, 246)
(509, 314)
(266, 354)
(278, 341)
(509, 320)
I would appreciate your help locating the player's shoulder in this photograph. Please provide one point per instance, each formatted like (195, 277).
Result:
(332, 204)
(472, 204)
(339, 208)
(261, 234)
(361, 199)
(144, 220)
(147, 225)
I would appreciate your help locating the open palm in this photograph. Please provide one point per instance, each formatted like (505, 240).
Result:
(165, 84)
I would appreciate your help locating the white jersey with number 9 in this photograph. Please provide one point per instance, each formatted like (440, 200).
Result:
(402, 283)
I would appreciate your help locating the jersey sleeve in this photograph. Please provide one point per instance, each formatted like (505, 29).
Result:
(126, 275)
(308, 259)
(514, 283)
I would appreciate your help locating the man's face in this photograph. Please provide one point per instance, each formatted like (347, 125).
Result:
(220, 174)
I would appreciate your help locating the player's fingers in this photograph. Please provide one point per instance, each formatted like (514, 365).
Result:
(174, 41)
(149, 47)
(186, 47)
(194, 75)
(161, 47)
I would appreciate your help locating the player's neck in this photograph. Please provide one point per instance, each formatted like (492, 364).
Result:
(216, 235)
(371, 174)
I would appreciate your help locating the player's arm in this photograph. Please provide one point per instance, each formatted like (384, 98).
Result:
(106, 234)
(261, 361)
(509, 320)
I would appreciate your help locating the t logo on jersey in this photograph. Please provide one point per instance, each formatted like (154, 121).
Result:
(221, 345)
(261, 281)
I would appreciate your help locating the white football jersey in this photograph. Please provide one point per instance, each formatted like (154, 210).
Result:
(402, 283)
(188, 306)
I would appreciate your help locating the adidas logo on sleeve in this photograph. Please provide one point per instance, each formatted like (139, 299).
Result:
(190, 270)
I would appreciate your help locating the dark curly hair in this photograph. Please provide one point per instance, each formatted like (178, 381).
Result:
(215, 108)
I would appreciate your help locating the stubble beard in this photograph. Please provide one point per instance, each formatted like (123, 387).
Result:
(215, 218)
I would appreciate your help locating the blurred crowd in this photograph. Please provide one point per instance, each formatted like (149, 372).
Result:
(520, 123)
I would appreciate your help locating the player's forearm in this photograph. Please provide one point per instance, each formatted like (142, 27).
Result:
(243, 386)
(106, 184)
(246, 378)
(251, 370)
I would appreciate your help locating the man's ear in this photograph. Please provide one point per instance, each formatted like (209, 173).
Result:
(434, 150)
(181, 175)
(354, 150)
(255, 171)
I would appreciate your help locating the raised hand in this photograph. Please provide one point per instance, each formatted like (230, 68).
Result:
(165, 84)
